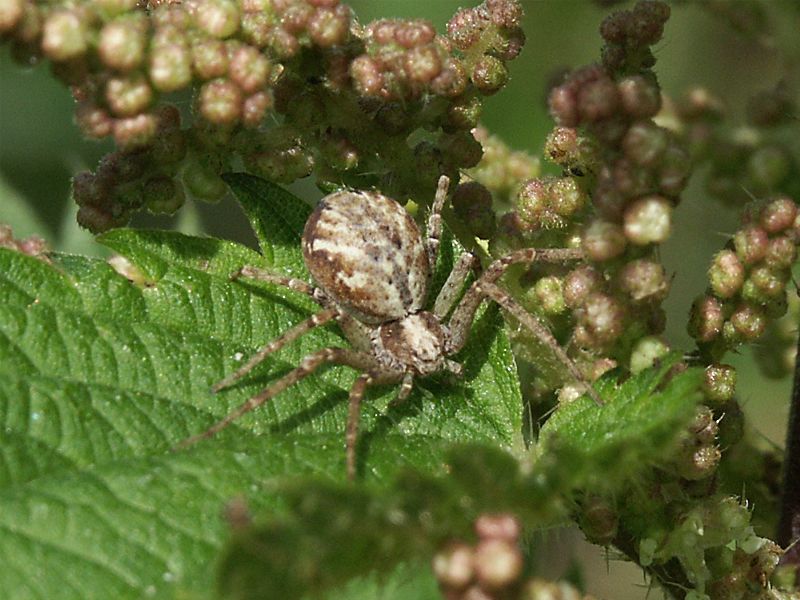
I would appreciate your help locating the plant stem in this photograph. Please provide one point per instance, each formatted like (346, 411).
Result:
(789, 525)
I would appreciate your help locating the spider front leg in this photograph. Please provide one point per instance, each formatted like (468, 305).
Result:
(461, 321)
(312, 362)
(434, 227)
(292, 283)
(289, 336)
(355, 331)
(453, 285)
(538, 329)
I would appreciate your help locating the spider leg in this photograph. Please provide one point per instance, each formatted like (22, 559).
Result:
(339, 356)
(357, 392)
(537, 328)
(452, 287)
(461, 321)
(354, 330)
(297, 285)
(279, 342)
(434, 227)
(405, 388)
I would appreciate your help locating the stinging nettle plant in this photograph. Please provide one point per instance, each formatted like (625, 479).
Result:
(568, 404)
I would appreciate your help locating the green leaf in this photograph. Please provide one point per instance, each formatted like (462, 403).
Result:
(101, 376)
(636, 428)
(406, 582)
(332, 533)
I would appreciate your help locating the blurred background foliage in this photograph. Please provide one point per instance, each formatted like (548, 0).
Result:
(41, 148)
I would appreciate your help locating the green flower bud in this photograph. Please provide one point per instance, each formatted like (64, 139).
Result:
(64, 36)
(644, 281)
(726, 274)
(170, 67)
(748, 323)
(751, 244)
(453, 566)
(249, 69)
(128, 96)
(706, 319)
(218, 18)
(220, 102)
(498, 563)
(501, 526)
(778, 215)
(647, 352)
(579, 283)
(135, 132)
(781, 253)
(422, 64)
(329, 26)
(648, 220)
(548, 292)
(719, 384)
(122, 43)
(640, 96)
(11, 12)
(599, 521)
(163, 195)
(203, 182)
(644, 143)
(210, 59)
(489, 75)
(603, 318)
(603, 240)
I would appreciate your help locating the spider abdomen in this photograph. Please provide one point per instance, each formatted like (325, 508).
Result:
(368, 254)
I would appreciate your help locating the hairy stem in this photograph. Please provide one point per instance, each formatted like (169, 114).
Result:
(789, 525)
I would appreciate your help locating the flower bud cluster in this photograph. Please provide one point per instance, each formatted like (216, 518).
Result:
(346, 109)
(751, 574)
(491, 569)
(699, 453)
(748, 279)
(622, 177)
(501, 169)
(720, 527)
(744, 160)
(549, 203)
(405, 59)
(127, 180)
(614, 103)
(32, 246)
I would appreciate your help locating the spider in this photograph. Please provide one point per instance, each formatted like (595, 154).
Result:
(372, 267)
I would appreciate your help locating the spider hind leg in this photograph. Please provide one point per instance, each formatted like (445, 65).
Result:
(312, 362)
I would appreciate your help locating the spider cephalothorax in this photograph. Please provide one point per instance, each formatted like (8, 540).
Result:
(372, 267)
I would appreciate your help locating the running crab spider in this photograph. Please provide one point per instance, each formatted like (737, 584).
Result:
(372, 268)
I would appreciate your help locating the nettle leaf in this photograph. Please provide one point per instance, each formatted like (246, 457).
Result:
(636, 429)
(332, 533)
(101, 377)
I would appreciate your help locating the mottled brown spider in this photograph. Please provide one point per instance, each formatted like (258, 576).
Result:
(372, 267)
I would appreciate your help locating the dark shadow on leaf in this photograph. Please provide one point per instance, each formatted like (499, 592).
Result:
(310, 413)
(395, 412)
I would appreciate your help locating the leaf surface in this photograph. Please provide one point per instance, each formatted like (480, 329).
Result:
(101, 376)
